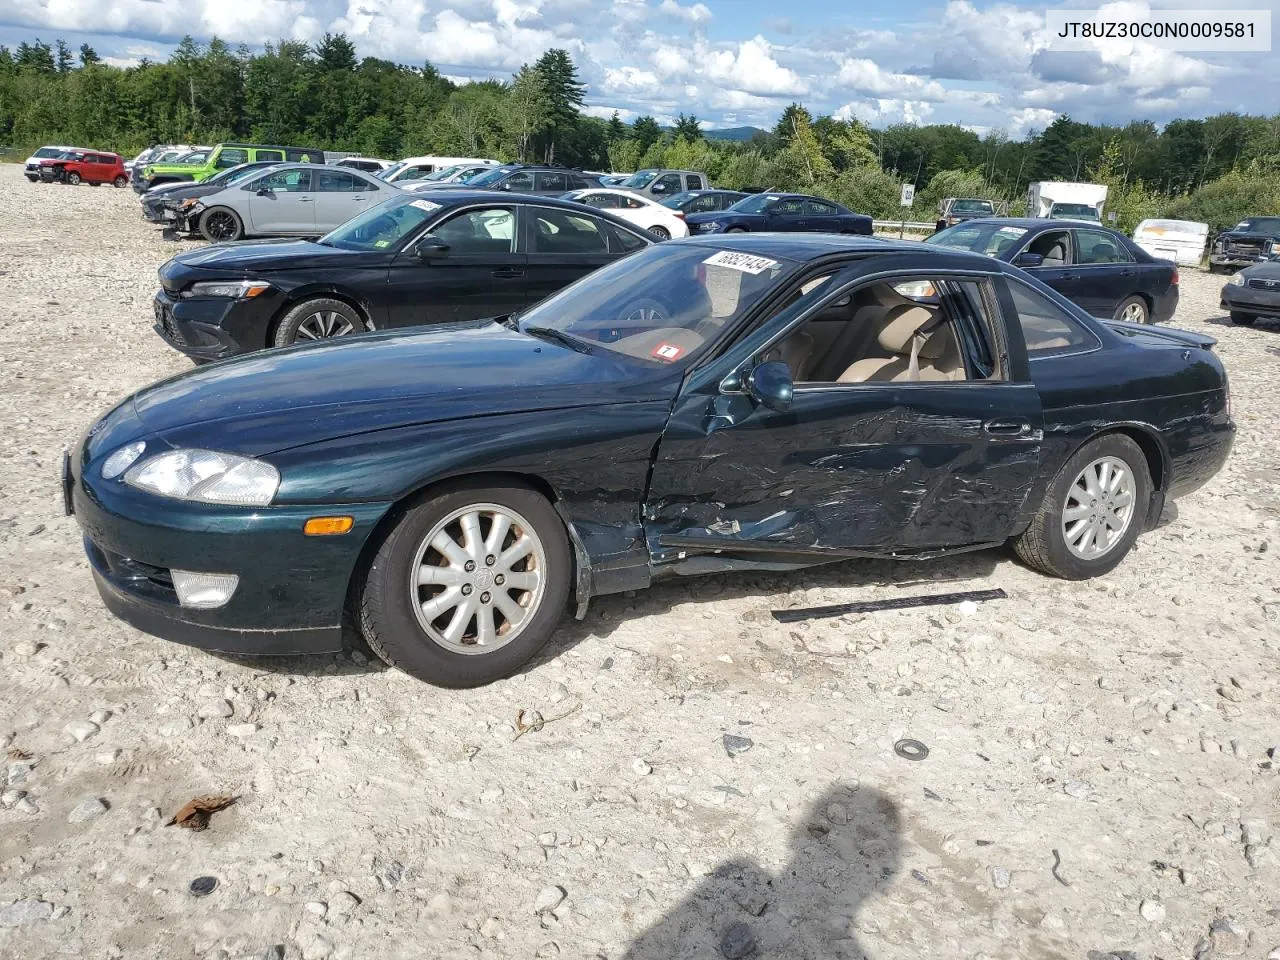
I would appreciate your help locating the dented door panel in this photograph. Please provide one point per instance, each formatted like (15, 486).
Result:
(882, 467)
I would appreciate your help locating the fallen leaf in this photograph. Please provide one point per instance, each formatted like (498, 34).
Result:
(17, 753)
(195, 814)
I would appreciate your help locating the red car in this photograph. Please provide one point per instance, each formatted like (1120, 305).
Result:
(85, 166)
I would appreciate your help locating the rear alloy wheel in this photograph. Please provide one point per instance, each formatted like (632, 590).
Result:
(321, 319)
(1242, 319)
(73, 178)
(468, 586)
(736, 230)
(1133, 310)
(662, 233)
(221, 225)
(120, 181)
(1092, 512)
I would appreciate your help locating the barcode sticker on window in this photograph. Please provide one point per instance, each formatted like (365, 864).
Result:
(668, 352)
(745, 262)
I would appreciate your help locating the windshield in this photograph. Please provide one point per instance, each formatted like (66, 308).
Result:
(444, 173)
(989, 238)
(971, 206)
(662, 304)
(490, 177)
(755, 203)
(676, 199)
(391, 171)
(641, 178)
(1079, 211)
(1267, 225)
(383, 227)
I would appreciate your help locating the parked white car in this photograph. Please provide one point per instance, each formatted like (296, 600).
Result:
(416, 168)
(1182, 241)
(366, 164)
(454, 176)
(663, 222)
(296, 199)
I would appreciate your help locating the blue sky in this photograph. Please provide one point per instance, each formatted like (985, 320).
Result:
(730, 62)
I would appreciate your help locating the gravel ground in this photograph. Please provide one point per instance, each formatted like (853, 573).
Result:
(718, 785)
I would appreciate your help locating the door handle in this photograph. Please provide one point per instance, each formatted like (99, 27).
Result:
(1007, 428)
(507, 273)
(306, 200)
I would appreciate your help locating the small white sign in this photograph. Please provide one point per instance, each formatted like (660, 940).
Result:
(908, 194)
(744, 262)
(426, 205)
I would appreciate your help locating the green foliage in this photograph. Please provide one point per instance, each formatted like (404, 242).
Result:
(1224, 202)
(646, 132)
(866, 189)
(688, 128)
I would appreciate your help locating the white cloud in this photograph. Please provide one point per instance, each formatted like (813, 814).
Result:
(881, 111)
(753, 70)
(629, 80)
(695, 13)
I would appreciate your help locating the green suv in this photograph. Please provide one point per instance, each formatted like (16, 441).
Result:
(224, 156)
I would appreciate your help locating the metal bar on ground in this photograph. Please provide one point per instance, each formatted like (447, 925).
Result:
(893, 603)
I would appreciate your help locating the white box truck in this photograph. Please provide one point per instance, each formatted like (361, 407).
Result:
(1059, 199)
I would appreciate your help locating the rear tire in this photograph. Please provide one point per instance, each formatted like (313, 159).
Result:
(409, 621)
(660, 232)
(318, 319)
(1045, 545)
(1242, 319)
(120, 181)
(73, 178)
(736, 230)
(1133, 310)
(221, 225)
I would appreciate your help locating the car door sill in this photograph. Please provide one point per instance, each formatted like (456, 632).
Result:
(678, 546)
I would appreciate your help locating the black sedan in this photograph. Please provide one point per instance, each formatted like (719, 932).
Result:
(1249, 241)
(1253, 293)
(162, 204)
(1102, 271)
(460, 255)
(706, 404)
(790, 212)
(704, 201)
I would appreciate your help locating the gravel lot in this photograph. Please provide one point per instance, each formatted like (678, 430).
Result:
(1125, 723)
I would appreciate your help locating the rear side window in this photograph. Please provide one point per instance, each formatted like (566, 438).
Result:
(230, 157)
(623, 241)
(336, 181)
(694, 182)
(816, 208)
(1094, 246)
(273, 155)
(578, 183)
(560, 231)
(1046, 327)
(551, 181)
(300, 155)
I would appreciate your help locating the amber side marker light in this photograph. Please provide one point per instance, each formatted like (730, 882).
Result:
(327, 526)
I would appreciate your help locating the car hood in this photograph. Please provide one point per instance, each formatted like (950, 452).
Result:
(183, 191)
(278, 399)
(255, 255)
(1264, 270)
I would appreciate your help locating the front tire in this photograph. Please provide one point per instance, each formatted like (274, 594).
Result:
(1092, 512)
(320, 319)
(736, 230)
(1242, 319)
(73, 178)
(468, 586)
(1133, 310)
(221, 225)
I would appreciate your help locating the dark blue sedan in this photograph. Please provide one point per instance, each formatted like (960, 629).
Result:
(1102, 271)
(781, 212)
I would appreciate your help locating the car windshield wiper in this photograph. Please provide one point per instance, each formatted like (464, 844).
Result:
(559, 336)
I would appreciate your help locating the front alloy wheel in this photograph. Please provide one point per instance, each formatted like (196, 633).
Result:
(220, 226)
(469, 585)
(320, 319)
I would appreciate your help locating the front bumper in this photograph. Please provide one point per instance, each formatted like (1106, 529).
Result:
(1244, 299)
(1219, 258)
(292, 588)
(157, 211)
(214, 328)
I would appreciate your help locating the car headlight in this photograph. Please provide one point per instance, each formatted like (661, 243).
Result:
(230, 289)
(122, 459)
(206, 476)
(196, 206)
(189, 204)
(1235, 280)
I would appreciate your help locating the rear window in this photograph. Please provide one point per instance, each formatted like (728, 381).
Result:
(275, 155)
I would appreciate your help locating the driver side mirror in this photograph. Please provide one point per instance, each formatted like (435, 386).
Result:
(1028, 260)
(658, 188)
(430, 246)
(771, 384)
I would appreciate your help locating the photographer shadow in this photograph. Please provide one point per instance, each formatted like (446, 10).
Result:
(848, 843)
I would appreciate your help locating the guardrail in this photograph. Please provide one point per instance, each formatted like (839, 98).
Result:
(911, 226)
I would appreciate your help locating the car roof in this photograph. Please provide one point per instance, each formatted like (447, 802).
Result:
(1030, 223)
(811, 246)
(452, 197)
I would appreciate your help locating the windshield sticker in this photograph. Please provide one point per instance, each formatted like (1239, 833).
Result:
(667, 352)
(426, 205)
(744, 262)
(382, 243)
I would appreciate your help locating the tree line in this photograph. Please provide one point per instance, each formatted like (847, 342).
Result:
(1216, 169)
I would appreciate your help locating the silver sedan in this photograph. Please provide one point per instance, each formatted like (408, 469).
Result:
(290, 200)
